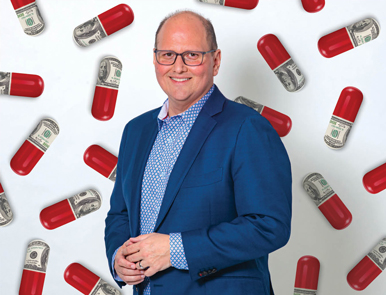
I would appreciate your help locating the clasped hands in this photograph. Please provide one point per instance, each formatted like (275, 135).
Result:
(152, 250)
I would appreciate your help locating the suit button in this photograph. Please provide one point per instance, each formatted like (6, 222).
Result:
(214, 270)
(204, 273)
(136, 288)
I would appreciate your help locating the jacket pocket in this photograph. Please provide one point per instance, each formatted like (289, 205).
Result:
(203, 179)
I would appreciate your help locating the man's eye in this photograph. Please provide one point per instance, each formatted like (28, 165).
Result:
(192, 55)
(168, 54)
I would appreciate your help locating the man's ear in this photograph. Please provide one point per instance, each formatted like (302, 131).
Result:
(217, 62)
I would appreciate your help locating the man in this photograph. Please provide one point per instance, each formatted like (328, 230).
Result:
(203, 187)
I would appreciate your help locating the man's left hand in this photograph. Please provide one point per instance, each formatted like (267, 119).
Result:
(152, 250)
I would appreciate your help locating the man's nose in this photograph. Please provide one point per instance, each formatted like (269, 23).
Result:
(179, 65)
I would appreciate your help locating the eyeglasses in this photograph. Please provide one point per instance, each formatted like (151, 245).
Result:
(190, 58)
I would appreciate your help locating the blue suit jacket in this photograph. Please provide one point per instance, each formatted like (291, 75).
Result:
(229, 194)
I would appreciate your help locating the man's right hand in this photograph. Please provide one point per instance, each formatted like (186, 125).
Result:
(125, 269)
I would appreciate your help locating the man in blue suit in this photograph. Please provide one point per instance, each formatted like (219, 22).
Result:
(203, 187)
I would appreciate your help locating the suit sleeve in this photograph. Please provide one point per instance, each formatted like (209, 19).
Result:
(261, 175)
(117, 230)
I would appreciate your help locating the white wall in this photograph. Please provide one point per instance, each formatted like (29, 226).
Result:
(70, 73)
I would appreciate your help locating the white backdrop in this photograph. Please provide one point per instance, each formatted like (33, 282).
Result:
(70, 72)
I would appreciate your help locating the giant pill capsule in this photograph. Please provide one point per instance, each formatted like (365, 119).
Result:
(327, 200)
(34, 147)
(29, 16)
(280, 122)
(106, 90)
(103, 25)
(375, 180)
(349, 37)
(21, 84)
(343, 117)
(35, 267)
(101, 161)
(86, 282)
(313, 5)
(244, 4)
(281, 63)
(368, 268)
(70, 209)
(307, 276)
(6, 214)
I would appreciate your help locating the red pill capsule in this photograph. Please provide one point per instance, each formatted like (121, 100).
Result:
(313, 5)
(29, 16)
(70, 209)
(280, 122)
(101, 161)
(343, 118)
(103, 25)
(375, 180)
(281, 63)
(368, 268)
(327, 200)
(35, 267)
(349, 37)
(6, 214)
(307, 276)
(244, 4)
(86, 281)
(21, 84)
(34, 147)
(106, 90)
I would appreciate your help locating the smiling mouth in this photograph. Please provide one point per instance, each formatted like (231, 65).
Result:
(180, 80)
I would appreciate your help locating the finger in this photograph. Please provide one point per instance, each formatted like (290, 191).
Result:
(135, 258)
(139, 238)
(133, 280)
(131, 249)
(130, 272)
(123, 262)
(150, 271)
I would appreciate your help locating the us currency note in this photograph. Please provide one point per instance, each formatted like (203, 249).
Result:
(85, 203)
(102, 288)
(337, 132)
(290, 76)
(37, 256)
(378, 254)
(44, 134)
(5, 82)
(219, 2)
(317, 188)
(6, 214)
(113, 174)
(299, 291)
(89, 32)
(363, 31)
(250, 103)
(30, 19)
(110, 70)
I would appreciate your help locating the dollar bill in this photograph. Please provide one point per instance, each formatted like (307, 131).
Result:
(5, 82)
(89, 32)
(290, 76)
(363, 31)
(102, 288)
(250, 103)
(113, 174)
(44, 134)
(85, 203)
(317, 188)
(37, 256)
(337, 132)
(378, 254)
(110, 71)
(219, 2)
(299, 291)
(30, 19)
(6, 214)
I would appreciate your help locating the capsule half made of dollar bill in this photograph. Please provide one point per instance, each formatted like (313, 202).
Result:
(307, 275)
(6, 215)
(280, 122)
(86, 282)
(349, 37)
(70, 209)
(244, 4)
(29, 16)
(343, 117)
(35, 147)
(21, 84)
(103, 25)
(101, 161)
(106, 89)
(281, 63)
(374, 181)
(313, 6)
(327, 200)
(35, 267)
(371, 266)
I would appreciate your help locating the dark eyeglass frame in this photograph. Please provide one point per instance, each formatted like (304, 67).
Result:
(177, 54)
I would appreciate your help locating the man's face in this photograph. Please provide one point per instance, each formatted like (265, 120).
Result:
(181, 33)
(83, 29)
(286, 80)
(102, 69)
